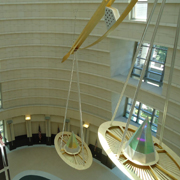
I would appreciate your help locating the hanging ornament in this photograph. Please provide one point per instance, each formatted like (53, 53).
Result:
(70, 147)
(134, 151)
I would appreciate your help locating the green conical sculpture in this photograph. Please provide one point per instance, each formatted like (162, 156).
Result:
(72, 146)
(140, 147)
(72, 142)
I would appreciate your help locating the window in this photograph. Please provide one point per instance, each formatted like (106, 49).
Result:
(141, 112)
(2, 129)
(139, 11)
(155, 69)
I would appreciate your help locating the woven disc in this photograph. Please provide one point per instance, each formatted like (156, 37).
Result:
(73, 160)
(167, 167)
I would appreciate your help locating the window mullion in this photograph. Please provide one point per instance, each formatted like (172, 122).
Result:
(145, 76)
(152, 116)
(139, 108)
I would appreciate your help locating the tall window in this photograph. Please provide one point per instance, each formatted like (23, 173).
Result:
(141, 112)
(155, 69)
(139, 11)
(2, 129)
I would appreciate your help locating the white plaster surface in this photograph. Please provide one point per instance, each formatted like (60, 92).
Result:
(45, 159)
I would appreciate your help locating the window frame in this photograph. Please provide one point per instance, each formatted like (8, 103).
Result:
(133, 10)
(146, 78)
(137, 116)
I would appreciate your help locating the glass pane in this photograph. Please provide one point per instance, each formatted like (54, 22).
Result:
(144, 115)
(153, 76)
(154, 128)
(129, 100)
(157, 113)
(127, 115)
(137, 103)
(156, 67)
(1, 128)
(140, 11)
(133, 118)
(147, 108)
(140, 121)
(159, 54)
(139, 62)
(143, 52)
(128, 108)
(155, 120)
(1, 122)
(137, 71)
(135, 111)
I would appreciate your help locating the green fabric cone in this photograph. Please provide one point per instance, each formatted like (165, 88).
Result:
(72, 141)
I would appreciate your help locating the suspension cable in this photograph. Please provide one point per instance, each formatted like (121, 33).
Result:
(134, 60)
(170, 80)
(141, 77)
(80, 109)
(70, 83)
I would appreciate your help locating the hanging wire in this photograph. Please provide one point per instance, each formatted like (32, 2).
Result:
(70, 83)
(80, 109)
(134, 60)
(170, 80)
(141, 77)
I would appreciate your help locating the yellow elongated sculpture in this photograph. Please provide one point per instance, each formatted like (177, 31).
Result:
(93, 22)
(89, 27)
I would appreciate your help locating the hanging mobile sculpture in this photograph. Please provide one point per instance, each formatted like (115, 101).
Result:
(70, 147)
(94, 21)
(134, 151)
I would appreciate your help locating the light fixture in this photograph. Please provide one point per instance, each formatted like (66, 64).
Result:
(27, 117)
(86, 125)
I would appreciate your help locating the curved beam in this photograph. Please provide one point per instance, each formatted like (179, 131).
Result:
(90, 26)
(116, 24)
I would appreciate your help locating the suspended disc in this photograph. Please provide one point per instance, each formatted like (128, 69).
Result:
(167, 167)
(73, 160)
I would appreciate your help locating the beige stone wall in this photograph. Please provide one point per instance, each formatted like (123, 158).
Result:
(35, 35)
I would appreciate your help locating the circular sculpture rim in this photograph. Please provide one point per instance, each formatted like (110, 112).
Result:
(73, 160)
(167, 167)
